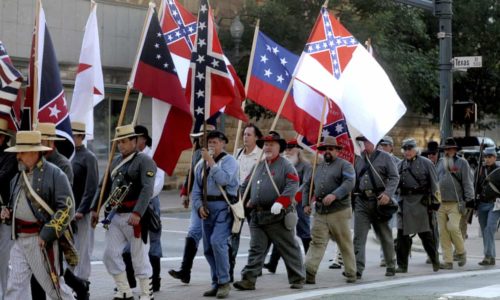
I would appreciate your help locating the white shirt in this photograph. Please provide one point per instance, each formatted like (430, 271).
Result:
(247, 161)
(160, 174)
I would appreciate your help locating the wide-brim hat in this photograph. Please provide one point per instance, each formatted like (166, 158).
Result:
(125, 131)
(449, 143)
(293, 144)
(143, 131)
(273, 136)
(48, 131)
(329, 141)
(361, 138)
(202, 130)
(28, 141)
(4, 127)
(217, 134)
(432, 147)
(78, 128)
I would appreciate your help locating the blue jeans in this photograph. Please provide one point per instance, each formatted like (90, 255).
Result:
(488, 220)
(216, 238)
(303, 224)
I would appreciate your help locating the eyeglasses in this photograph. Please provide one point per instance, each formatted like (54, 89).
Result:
(408, 148)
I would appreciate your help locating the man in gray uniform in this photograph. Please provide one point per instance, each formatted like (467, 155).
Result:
(376, 182)
(132, 174)
(86, 173)
(456, 187)
(49, 136)
(333, 183)
(8, 168)
(41, 207)
(419, 193)
(272, 191)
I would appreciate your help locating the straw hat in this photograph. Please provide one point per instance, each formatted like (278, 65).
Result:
(125, 131)
(4, 127)
(329, 141)
(78, 128)
(48, 131)
(28, 141)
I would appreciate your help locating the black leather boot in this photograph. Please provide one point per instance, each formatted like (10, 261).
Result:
(78, 285)
(129, 268)
(184, 274)
(155, 279)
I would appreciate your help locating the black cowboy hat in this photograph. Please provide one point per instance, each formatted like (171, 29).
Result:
(293, 144)
(217, 134)
(273, 136)
(143, 131)
(432, 148)
(449, 143)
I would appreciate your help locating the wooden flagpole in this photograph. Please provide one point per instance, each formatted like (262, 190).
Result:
(247, 83)
(36, 84)
(315, 163)
(137, 109)
(124, 109)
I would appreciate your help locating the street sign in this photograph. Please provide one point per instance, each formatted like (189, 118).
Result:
(465, 62)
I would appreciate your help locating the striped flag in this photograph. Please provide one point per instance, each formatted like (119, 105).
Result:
(10, 87)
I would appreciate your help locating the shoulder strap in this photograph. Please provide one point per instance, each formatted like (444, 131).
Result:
(35, 196)
(412, 174)
(239, 152)
(126, 160)
(271, 178)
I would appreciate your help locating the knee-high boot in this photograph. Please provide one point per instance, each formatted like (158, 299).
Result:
(184, 274)
(155, 279)
(129, 268)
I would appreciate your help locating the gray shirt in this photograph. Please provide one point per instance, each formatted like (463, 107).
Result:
(62, 163)
(455, 181)
(387, 178)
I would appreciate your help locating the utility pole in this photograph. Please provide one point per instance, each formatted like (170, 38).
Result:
(443, 10)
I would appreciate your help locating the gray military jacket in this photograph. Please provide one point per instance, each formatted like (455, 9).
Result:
(455, 182)
(420, 182)
(140, 171)
(52, 185)
(62, 163)
(8, 169)
(386, 169)
(86, 173)
(262, 192)
(304, 170)
(337, 178)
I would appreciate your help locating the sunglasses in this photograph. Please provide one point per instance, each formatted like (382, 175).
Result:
(407, 148)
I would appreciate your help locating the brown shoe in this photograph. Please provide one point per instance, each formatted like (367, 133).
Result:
(223, 291)
(244, 285)
(210, 293)
(462, 259)
(402, 269)
(487, 261)
(310, 279)
(446, 266)
(297, 285)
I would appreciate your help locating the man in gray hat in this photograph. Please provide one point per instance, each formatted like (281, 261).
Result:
(49, 137)
(376, 182)
(333, 182)
(487, 203)
(419, 197)
(41, 207)
(8, 169)
(387, 144)
(272, 190)
(456, 187)
(131, 182)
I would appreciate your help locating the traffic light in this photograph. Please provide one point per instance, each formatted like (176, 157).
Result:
(464, 112)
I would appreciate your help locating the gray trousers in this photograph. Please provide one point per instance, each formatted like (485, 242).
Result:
(117, 237)
(365, 216)
(26, 259)
(84, 244)
(265, 227)
(5, 246)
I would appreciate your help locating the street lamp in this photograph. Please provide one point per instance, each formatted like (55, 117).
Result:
(237, 28)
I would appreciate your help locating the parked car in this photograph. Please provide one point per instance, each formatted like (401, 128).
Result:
(469, 148)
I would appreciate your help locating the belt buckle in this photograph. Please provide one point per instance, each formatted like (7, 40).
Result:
(369, 193)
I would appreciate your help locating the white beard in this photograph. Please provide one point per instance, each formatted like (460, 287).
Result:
(294, 159)
(449, 162)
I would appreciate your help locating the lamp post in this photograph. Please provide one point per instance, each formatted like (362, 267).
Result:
(237, 28)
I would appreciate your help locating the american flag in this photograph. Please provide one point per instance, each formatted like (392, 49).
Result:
(209, 85)
(10, 85)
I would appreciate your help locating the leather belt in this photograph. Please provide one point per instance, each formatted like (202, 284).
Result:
(215, 198)
(412, 191)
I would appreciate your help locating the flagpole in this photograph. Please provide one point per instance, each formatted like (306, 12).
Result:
(273, 126)
(315, 163)
(137, 109)
(124, 108)
(205, 173)
(247, 83)
(161, 10)
(36, 94)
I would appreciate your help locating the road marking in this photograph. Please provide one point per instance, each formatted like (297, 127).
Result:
(380, 284)
(492, 291)
(178, 258)
(246, 237)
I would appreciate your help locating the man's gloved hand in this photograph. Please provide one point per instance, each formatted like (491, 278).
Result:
(276, 208)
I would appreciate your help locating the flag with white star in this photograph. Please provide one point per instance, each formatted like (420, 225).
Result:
(49, 96)
(209, 85)
(335, 64)
(10, 86)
